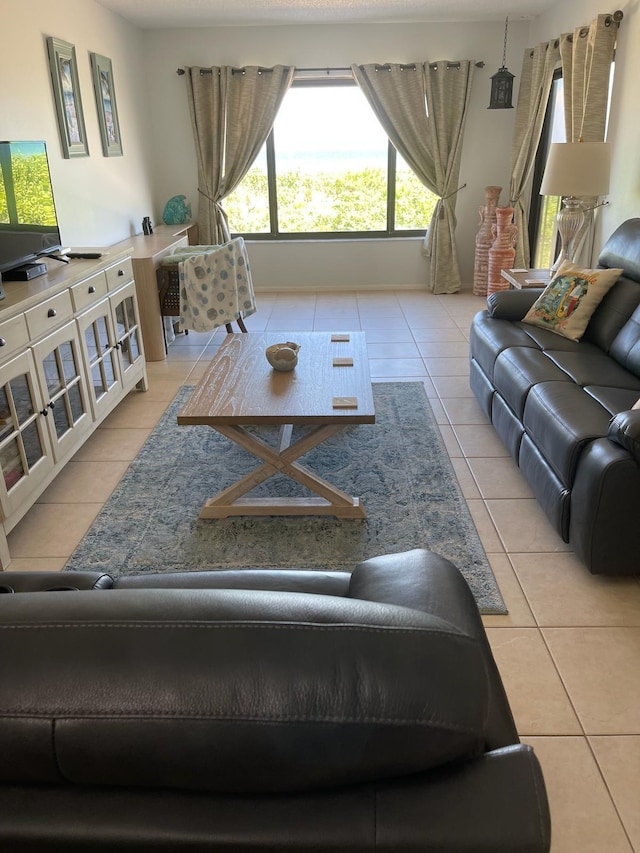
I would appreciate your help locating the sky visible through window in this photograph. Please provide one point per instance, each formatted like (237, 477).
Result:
(328, 128)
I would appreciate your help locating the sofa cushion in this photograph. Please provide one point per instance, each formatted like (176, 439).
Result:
(594, 368)
(232, 690)
(626, 346)
(612, 313)
(518, 369)
(568, 301)
(614, 400)
(561, 418)
(490, 337)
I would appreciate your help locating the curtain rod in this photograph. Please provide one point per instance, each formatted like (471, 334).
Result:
(181, 71)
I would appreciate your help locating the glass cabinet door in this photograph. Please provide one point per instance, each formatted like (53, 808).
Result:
(127, 328)
(25, 456)
(99, 345)
(59, 363)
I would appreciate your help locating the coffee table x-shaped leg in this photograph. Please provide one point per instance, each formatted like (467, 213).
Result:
(281, 459)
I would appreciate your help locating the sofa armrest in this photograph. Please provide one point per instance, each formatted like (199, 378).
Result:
(624, 429)
(511, 304)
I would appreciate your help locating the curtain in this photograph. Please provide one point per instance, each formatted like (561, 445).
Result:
(538, 66)
(587, 55)
(422, 108)
(232, 113)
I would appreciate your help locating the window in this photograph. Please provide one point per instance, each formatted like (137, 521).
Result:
(328, 170)
(543, 209)
(542, 214)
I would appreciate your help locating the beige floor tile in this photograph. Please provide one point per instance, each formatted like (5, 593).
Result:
(448, 366)
(563, 593)
(438, 335)
(450, 441)
(166, 371)
(519, 615)
(91, 481)
(599, 667)
(485, 527)
(465, 479)
(381, 321)
(36, 564)
(583, 817)
(112, 444)
(388, 336)
(166, 389)
(539, 702)
(444, 349)
(135, 411)
(388, 367)
(464, 410)
(429, 320)
(619, 761)
(523, 527)
(392, 350)
(184, 353)
(51, 530)
(452, 386)
(438, 411)
(499, 478)
(478, 439)
(193, 339)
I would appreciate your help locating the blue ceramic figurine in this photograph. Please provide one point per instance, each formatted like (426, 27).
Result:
(176, 212)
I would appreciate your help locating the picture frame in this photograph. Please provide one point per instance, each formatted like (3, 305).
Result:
(102, 73)
(67, 99)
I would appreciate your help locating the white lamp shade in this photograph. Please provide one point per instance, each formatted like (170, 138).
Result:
(577, 169)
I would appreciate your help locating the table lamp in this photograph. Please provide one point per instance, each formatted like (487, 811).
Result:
(575, 170)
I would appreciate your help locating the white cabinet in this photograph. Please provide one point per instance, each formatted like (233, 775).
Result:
(26, 457)
(61, 375)
(68, 356)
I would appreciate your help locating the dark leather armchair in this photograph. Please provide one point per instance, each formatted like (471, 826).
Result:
(256, 710)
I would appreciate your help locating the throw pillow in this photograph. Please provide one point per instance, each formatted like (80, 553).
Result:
(568, 301)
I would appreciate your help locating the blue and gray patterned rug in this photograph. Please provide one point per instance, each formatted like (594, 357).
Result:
(398, 466)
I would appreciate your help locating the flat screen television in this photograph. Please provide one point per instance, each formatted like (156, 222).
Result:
(28, 221)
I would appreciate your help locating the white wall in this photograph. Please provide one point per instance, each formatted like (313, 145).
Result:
(624, 119)
(100, 200)
(374, 263)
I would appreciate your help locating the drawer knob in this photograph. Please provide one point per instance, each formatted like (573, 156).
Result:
(51, 312)
(3, 343)
(120, 272)
(92, 289)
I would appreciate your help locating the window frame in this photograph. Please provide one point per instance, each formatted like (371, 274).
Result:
(274, 233)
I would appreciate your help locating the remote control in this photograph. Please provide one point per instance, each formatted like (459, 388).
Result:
(84, 255)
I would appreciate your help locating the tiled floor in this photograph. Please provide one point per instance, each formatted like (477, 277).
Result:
(568, 651)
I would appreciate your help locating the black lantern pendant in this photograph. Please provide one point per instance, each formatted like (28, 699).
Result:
(502, 81)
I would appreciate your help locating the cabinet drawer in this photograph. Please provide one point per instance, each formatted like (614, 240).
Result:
(119, 273)
(14, 335)
(49, 314)
(87, 292)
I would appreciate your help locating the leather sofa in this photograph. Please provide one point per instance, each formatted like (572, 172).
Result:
(246, 710)
(564, 409)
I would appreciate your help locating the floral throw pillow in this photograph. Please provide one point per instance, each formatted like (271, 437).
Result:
(568, 301)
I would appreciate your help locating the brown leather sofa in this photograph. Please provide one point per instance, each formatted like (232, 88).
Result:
(253, 710)
(564, 409)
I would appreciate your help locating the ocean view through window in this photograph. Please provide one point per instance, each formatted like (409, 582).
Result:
(329, 170)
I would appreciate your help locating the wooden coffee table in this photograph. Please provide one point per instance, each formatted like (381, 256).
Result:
(240, 388)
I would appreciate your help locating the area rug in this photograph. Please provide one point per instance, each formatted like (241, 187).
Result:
(399, 467)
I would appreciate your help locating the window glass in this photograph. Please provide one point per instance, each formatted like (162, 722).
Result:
(328, 173)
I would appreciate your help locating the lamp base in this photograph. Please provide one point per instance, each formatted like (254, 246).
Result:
(569, 220)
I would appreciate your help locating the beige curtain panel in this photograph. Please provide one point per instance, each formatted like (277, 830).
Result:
(587, 55)
(422, 108)
(536, 77)
(232, 112)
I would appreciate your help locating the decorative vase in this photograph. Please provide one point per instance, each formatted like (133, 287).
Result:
(484, 240)
(283, 356)
(502, 252)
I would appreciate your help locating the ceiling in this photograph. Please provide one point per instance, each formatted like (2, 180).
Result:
(156, 14)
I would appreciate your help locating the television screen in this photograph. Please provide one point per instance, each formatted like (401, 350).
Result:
(28, 221)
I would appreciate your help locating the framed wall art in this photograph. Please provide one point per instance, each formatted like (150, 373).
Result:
(66, 95)
(102, 73)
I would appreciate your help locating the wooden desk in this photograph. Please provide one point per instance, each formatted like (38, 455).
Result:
(147, 251)
(240, 388)
(529, 278)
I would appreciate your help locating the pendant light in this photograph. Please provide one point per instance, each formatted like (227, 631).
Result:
(502, 81)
